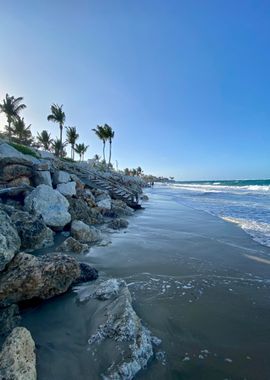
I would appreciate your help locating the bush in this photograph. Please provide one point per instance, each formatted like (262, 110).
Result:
(24, 149)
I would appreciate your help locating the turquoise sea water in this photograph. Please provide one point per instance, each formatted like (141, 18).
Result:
(244, 202)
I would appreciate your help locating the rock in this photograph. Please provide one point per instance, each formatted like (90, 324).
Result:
(42, 177)
(116, 224)
(109, 289)
(7, 150)
(13, 171)
(50, 204)
(79, 209)
(46, 155)
(84, 233)
(60, 176)
(21, 181)
(68, 189)
(87, 196)
(79, 184)
(9, 318)
(9, 240)
(104, 203)
(72, 245)
(27, 277)
(130, 341)
(120, 208)
(88, 273)
(18, 359)
(32, 230)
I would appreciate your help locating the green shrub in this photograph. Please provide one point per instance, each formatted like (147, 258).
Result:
(24, 149)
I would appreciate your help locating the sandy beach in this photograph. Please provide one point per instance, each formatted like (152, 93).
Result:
(196, 283)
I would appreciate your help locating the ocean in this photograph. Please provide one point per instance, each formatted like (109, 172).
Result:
(243, 202)
(199, 284)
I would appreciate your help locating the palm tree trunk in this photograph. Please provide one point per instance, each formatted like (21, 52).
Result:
(61, 137)
(9, 130)
(104, 151)
(110, 152)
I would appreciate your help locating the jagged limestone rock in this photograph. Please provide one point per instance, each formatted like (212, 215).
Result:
(18, 358)
(50, 204)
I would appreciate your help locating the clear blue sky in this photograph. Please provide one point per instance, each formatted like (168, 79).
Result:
(184, 84)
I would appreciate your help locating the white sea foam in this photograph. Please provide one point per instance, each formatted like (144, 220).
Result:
(247, 205)
(260, 231)
(217, 187)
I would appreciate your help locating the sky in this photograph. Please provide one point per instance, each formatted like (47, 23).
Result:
(184, 84)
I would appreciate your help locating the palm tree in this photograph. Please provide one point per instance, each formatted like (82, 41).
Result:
(72, 136)
(139, 171)
(21, 131)
(109, 134)
(81, 150)
(58, 116)
(58, 147)
(101, 134)
(11, 107)
(44, 138)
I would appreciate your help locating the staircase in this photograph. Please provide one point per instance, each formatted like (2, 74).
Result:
(96, 180)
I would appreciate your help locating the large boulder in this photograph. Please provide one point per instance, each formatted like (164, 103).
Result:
(9, 240)
(50, 204)
(84, 233)
(12, 171)
(79, 209)
(103, 200)
(18, 358)
(42, 177)
(67, 189)
(120, 208)
(120, 327)
(32, 230)
(72, 245)
(60, 176)
(21, 181)
(27, 277)
(7, 150)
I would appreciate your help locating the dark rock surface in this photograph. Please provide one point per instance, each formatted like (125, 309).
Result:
(27, 277)
(9, 318)
(88, 273)
(79, 209)
(10, 241)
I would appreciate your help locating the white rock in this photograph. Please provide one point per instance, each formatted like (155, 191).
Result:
(17, 358)
(67, 188)
(82, 232)
(50, 204)
(60, 176)
(121, 325)
(104, 201)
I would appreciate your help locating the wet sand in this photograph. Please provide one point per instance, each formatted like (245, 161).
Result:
(198, 283)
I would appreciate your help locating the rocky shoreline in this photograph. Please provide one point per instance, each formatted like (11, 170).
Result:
(42, 199)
